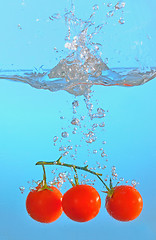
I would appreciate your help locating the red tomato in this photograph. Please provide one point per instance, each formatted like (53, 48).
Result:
(125, 204)
(44, 206)
(81, 203)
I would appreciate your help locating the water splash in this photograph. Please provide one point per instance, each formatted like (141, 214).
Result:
(83, 66)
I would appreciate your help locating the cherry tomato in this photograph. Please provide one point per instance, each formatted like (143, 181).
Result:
(81, 203)
(125, 204)
(44, 206)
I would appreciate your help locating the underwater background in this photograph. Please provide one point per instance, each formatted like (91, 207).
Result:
(33, 35)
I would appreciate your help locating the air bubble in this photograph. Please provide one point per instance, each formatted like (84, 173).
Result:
(89, 141)
(55, 138)
(134, 183)
(19, 26)
(121, 21)
(121, 179)
(103, 154)
(102, 124)
(109, 4)
(22, 189)
(65, 153)
(120, 5)
(75, 121)
(75, 103)
(95, 7)
(65, 134)
(50, 183)
(95, 125)
(113, 168)
(55, 16)
(110, 13)
(69, 147)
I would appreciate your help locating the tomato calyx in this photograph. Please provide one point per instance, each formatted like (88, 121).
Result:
(110, 189)
(42, 186)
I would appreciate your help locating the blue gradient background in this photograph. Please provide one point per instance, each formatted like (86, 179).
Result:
(30, 117)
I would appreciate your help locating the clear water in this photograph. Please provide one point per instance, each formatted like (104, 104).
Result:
(59, 78)
(112, 129)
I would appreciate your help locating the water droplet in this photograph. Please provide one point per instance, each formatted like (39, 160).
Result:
(65, 134)
(95, 151)
(73, 132)
(61, 117)
(104, 142)
(55, 138)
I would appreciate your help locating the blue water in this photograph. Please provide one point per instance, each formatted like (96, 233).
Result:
(30, 118)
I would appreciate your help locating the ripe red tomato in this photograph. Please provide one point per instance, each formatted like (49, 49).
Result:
(125, 204)
(44, 206)
(81, 203)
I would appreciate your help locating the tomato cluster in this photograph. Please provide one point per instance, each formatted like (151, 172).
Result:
(82, 203)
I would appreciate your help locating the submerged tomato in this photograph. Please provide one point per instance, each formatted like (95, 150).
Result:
(125, 204)
(81, 203)
(44, 206)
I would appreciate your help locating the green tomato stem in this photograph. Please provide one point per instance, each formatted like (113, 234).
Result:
(85, 168)
(44, 176)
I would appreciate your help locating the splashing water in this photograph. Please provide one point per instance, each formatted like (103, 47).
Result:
(83, 67)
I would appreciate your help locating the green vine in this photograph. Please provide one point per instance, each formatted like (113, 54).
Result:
(85, 168)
